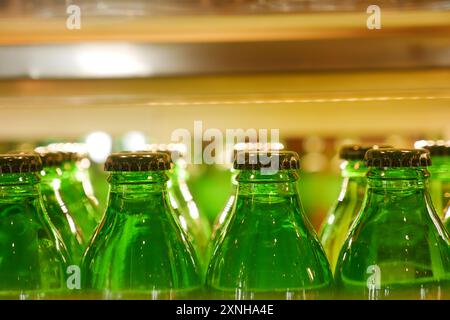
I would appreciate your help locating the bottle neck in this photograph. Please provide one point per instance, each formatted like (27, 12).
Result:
(177, 185)
(137, 194)
(50, 173)
(69, 172)
(354, 180)
(19, 184)
(398, 180)
(353, 169)
(400, 193)
(178, 174)
(138, 183)
(398, 190)
(440, 167)
(282, 182)
(234, 173)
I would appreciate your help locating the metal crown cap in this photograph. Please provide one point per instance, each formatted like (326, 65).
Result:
(255, 160)
(50, 158)
(397, 158)
(137, 161)
(20, 163)
(436, 147)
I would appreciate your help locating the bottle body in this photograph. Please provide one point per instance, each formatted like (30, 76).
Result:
(33, 259)
(139, 250)
(195, 225)
(397, 248)
(268, 249)
(83, 177)
(440, 185)
(60, 216)
(337, 224)
(224, 217)
(83, 210)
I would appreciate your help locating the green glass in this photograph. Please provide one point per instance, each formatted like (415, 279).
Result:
(397, 247)
(83, 175)
(337, 224)
(440, 184)
(59, 214)
(33, 258)
(224, 216)
(78, 163)
(139, 251)
(195, 225)
(82, 207)
(269, 250)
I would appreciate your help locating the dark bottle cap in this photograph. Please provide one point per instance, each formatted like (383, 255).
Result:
(71, 156)
(20, 163)
(436, 147)
(71, 152)
(396, 158)
(256, 160)
(138, 161)
(357, 151)
(51, 157)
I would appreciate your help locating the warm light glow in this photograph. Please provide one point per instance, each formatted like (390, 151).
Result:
(193, 210)
(110, 61)
(187, 196)
(134, 140)
(243, 146)
(173, 202)
(424, 143)
(99, 146)
(183, 223)
(331, 219)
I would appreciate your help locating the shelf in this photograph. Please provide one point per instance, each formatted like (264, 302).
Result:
(222, 28)
(356, 103)
(40, 46)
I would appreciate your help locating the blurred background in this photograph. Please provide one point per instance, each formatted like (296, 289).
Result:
(117, 75)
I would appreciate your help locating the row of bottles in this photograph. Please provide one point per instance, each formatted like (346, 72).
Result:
(47, 216)
(397, 246)
(383, 238)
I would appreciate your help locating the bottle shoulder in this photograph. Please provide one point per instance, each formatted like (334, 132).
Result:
(143, 245)
(407, 246)
(268, 244)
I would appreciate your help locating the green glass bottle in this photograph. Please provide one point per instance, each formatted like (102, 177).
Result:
(439, 174)
(397, 248)
(139, 251)
(77, 153)
(56, 205)
(80, 157)
(193, 222)
(33, 258)
(224, 216)
(337, 224)
(269, 248)
(84, 209)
